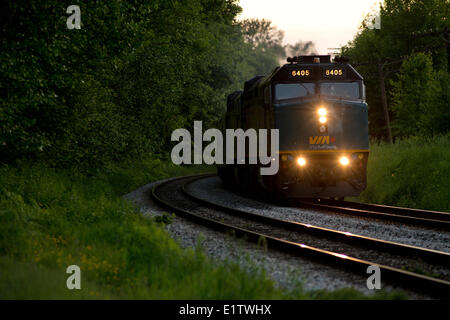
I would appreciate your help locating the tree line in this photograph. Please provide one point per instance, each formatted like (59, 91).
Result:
(119, 86)
(410, 54)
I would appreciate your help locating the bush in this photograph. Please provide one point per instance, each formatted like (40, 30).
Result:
(412, 173)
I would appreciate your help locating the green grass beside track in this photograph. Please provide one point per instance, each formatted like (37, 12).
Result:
(412, 173)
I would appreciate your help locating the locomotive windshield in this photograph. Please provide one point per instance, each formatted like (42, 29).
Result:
(348, 90)
(293, 90)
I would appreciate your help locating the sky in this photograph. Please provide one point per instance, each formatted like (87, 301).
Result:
(328, 23)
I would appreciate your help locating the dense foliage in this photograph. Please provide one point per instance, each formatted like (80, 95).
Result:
(420, 98)
(119, 86)
(411, 43)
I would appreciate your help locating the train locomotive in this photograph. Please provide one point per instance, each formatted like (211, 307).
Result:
(319, 107)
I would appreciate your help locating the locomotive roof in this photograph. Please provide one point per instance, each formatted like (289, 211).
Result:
(329, 71)
(307, 69)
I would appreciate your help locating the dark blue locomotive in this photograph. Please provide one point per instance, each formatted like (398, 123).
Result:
(320, 110)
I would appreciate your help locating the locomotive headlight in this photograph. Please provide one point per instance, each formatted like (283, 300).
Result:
(344, 161)
(322, 119)
(322, 112)
(301, 161)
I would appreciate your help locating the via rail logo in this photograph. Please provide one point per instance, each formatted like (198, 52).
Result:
(213, 153)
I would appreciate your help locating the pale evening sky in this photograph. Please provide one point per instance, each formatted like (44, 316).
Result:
(328, 23)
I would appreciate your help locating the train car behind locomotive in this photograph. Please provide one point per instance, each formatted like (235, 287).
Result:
(320, 110)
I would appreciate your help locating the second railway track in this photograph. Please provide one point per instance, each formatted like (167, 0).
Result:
(406, 212)
(339, 249)
(416, 217)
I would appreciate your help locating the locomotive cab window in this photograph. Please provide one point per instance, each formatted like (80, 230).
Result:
(293, 90)
(349, 90)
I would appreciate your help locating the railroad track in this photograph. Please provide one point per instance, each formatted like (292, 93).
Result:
(255, 227)
(416, 217)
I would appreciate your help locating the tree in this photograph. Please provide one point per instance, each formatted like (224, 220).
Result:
(117, 86)
(420, 98)
(401, 20)
(266, 44)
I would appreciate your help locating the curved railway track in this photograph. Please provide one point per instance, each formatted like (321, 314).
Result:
(255, 227)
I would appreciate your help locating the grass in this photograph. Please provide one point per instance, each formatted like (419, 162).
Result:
(50, 219)
(411, 173)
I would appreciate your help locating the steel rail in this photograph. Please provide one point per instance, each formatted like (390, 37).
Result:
(416, 282)
(420, 213)
(430, 255)
(388, 216)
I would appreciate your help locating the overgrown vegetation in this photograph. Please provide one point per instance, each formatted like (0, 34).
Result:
(412, 173)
